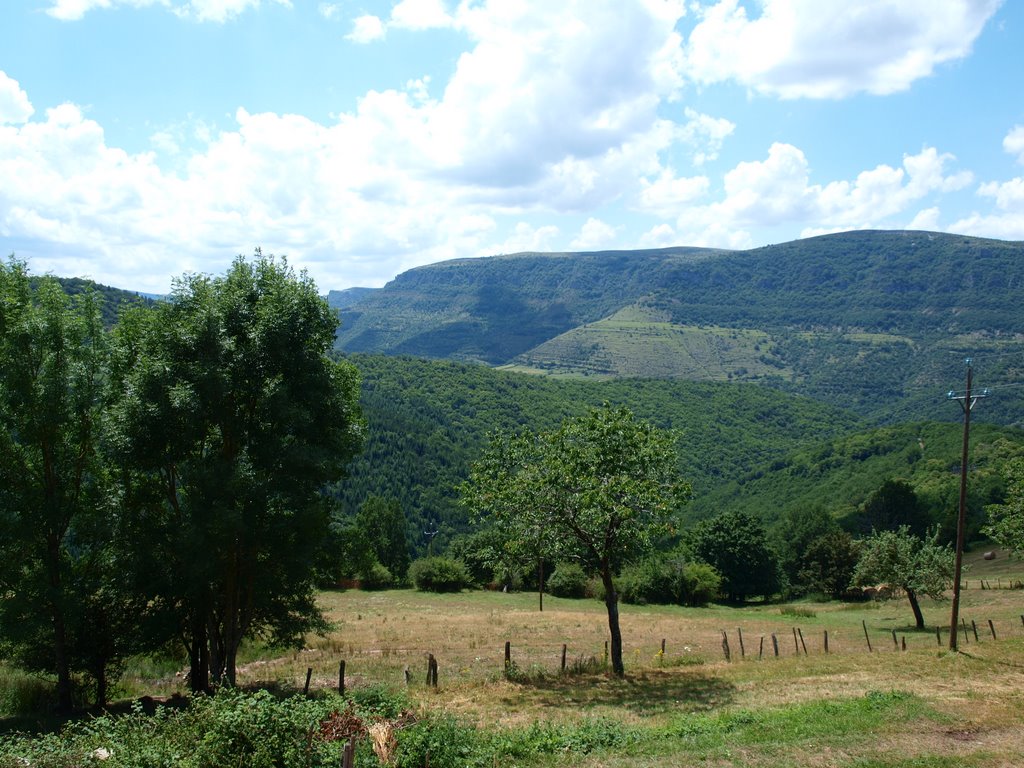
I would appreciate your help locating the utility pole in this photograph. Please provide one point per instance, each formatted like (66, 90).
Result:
(430, 541)
(967, 402)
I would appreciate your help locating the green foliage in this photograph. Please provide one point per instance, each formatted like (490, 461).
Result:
(829, 563)
(905, 562)
(377, 576)
(382, 528)
(601, 487)
(840, 474)
(54, 541)
(439, 574)
(736, 545)
(227, 421)
(792, 537)
(669, 579)
(568, 580)
(428, 421)
(1007, 519)
(892, 506)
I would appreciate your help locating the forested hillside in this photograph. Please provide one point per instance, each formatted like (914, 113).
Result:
(840, 474)
(428, 420)
(833, 317)
(742, 447)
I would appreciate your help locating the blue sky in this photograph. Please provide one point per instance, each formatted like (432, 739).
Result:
(141, 139)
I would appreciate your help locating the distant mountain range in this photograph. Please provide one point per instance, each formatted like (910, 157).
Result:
(871, 320)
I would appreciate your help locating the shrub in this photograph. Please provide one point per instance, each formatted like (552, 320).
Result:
(377, 576)
(568, 580)
(701, 584)
(439, 574)
(669, 580)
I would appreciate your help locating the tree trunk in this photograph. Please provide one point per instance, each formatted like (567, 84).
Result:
(62, 665)
(915, 607)
(611, 602)
(199, 658)
(100, 673)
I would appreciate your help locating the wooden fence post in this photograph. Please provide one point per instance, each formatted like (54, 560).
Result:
(895, 642)
(992, 629)
(903, 643)
(431, 671)
(775, 644)
(743, 650)
(564, 649)
(963, 623)
(309, 676)
(341, 678)
(974, 627)
(725, 646)
(348, 753)
(866, 637)
(826, 641)
(801, 633)
(938, 635)
(796, 643)
(760, 650)
(408, 677)
(508, 656)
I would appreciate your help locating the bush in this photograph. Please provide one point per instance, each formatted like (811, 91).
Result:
(669, 580)
(568, 580)
(377, 576)
(439, 574)
(701, 584)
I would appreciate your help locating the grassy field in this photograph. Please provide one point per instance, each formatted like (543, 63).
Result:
(921, 706)
(888, 707)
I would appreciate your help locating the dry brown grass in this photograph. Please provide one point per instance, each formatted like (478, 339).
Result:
(977, 695)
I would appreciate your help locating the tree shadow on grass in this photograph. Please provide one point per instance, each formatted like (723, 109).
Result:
(647, 692)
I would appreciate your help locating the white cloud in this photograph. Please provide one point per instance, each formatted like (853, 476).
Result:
(667, 194)
(420, 14)
(705, 134)
(14, 104)
(1014, 142)
(777, 191)
(329, 11)
(526, 237)
(832, 48)
(200, 10)
(366, 29)
(594, 235)
(927, 219)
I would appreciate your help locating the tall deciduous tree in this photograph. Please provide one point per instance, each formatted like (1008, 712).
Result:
(602, 486)
(229, 420)
(51, 366)
(736, 545)
(1007, 519)
(906, 563)
(381, 525)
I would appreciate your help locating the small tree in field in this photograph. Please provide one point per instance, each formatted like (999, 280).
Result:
(905, 562)
(601, 487)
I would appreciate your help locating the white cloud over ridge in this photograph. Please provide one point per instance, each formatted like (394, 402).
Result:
(571, 109)
(832, 48)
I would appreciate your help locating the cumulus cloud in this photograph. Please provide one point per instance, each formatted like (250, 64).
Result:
(199, 10)
(14, 104)
(831, 48)
(420, 15)
(1014, 143)
(366, 29)
(777, 191)
(594, 235)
